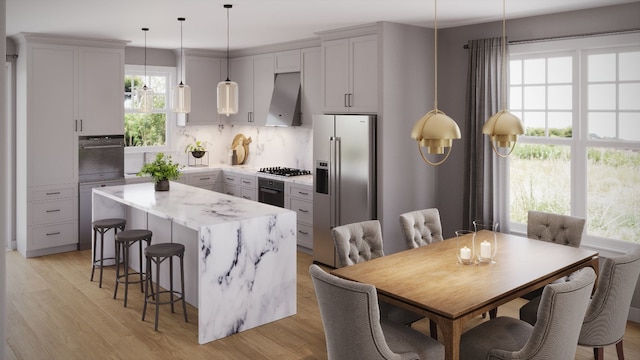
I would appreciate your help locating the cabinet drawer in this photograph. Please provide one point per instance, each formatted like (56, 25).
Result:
(248, 181)
(43, 237)
(53, 193)
(301, 192)
(231, 178)
(305, 235)
(204, 179)
(47, 212)
(249, 193)
(232, 190)
(304, 209)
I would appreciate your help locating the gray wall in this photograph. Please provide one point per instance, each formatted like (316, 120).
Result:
(453, 78)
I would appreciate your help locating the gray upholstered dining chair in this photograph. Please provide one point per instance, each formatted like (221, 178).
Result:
(556, 228)
(554, 336)
(362, 241)
(353, 327)
(606, 318)
(421, 227)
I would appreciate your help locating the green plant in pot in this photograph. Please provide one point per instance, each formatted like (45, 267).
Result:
(197, 149)
(161, 169)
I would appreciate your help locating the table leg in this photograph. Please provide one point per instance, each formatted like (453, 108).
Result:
(451, 332)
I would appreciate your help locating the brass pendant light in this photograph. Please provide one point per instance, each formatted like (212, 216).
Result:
(181, 97)
(503, 127)
(227, 90)
(435, 130)
(145, 95)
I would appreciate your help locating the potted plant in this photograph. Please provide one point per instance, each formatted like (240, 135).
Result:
(162, 169)
(197, 150)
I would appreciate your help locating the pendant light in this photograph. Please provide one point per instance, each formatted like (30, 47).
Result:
(435, 130)
(145, 95)
(181, 97)
(227, 90)
(503, 127)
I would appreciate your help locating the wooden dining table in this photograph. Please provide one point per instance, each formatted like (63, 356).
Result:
(430, 281)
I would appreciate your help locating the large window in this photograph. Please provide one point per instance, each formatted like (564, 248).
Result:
(580, 104)
(147, 131)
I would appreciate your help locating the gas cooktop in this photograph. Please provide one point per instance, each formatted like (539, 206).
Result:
(284, 171)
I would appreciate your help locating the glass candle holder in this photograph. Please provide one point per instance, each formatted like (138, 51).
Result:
(465, 248)
(486, 242)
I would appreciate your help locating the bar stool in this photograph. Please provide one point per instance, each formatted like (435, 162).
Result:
(159, 253)
(101, 227)
(124, 241)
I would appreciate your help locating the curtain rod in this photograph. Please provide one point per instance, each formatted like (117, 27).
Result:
(579, 36)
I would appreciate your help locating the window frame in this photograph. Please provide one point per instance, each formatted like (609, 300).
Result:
(579, 143)
(171, 126)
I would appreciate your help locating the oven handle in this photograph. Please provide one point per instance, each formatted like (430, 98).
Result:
(270, 191)
(101, 146)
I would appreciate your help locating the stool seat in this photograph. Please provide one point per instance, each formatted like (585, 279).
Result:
(157, 253)
(101, 227)
(124, 241)
(163, 250)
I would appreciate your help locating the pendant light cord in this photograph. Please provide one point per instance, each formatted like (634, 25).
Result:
(145, 55)
(227, 6)
(504, 56)
(435, 35)
(181, 51)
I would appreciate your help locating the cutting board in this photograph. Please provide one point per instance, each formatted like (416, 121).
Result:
(240, 144)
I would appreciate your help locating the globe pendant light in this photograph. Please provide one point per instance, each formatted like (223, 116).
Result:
(227, 90)
(503, 127)
(435, 130)
(181, 97)
(145, 95)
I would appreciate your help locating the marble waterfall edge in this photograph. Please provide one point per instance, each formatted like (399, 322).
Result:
(248, 281)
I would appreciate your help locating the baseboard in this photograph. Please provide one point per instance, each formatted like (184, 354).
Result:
(634, 315)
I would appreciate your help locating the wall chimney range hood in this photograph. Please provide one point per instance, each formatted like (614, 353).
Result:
(285, 101)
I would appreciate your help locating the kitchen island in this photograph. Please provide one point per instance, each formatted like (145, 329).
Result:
(240, 258)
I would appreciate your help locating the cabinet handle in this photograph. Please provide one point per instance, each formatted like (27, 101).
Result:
(230, 179)
(54, 193)
(76, 128)
(303, 232)
(50, 211)
(303, 193)
(346, 104)
(303, 211)
(205, 178)
(81, 129)
(350, 100)
(230, 193)
(246, 197)
(53, 233)
(246, 182)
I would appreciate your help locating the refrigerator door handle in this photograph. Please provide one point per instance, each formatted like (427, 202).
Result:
(336, 180)
(332, 182)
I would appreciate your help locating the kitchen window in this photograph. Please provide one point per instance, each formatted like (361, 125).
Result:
(148, 131)
(580, 155)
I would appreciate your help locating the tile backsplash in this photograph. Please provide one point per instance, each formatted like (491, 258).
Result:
(270, 146)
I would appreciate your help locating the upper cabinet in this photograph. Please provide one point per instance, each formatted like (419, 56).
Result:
(311, 94)
(202, 74)
(350, 73)
(100, 91)
(254, 75)
(287, 61)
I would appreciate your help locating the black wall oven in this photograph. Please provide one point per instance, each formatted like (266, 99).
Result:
(271, 191)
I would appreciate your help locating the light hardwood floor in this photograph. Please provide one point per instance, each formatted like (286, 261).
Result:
(55, 312)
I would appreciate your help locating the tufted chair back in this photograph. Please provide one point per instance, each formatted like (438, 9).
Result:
(559, 229)
(357, 242)
(421, 227)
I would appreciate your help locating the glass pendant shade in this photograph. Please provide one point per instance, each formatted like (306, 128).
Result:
(181, 99)
(435, 131)
(145, 99)
(227, 97)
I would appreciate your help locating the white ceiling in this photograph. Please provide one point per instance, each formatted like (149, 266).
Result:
(254, 22)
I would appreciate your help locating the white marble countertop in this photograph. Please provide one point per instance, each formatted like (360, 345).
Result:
(243, 169)
(186, 205)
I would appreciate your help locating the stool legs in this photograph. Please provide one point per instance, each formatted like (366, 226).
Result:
(100, 261)
(156, 295)
(124, 247)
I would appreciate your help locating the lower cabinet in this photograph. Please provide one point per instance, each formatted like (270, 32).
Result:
(240, 185)
(205, 180)
(299, 197)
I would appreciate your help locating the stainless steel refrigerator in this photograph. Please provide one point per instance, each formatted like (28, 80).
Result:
(344, 154)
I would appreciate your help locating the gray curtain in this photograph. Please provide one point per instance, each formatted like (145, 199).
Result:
(483, 100)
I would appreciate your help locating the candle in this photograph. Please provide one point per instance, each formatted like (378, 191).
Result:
(465, 253)
(485, 250)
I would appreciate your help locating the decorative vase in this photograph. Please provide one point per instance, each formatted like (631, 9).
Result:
(162, 185)
(198, 154)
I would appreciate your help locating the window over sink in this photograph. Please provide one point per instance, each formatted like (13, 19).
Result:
(148, 131)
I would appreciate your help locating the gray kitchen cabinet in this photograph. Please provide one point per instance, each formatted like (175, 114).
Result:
(202, 74)
(255, 77)
(65, 87)
(230, 183)
(299, 198)
(311, 86)
(205, 180)
(249, 187)
(350, 73)
(287, 61)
